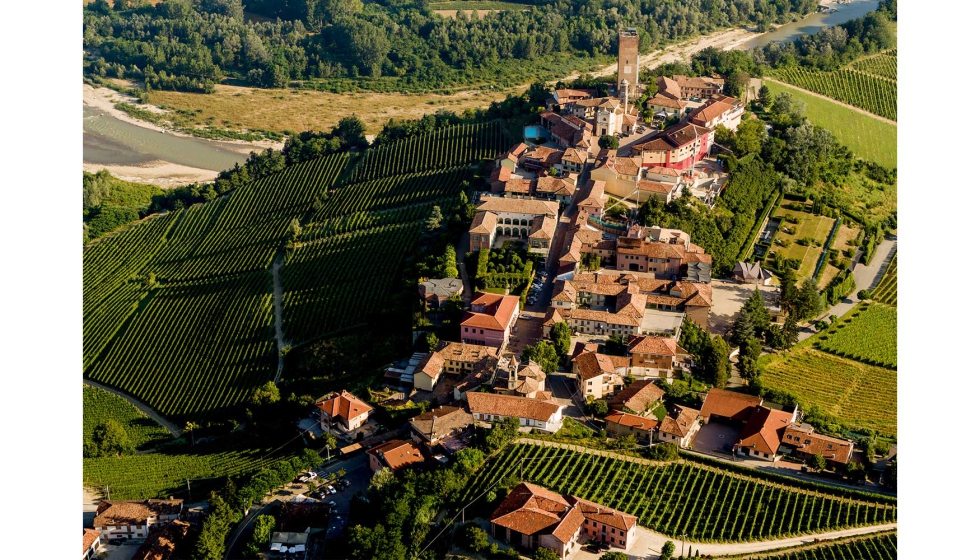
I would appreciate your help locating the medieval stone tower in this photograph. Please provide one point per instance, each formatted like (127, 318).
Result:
(629, 53)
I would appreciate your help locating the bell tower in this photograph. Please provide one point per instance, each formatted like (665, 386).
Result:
(629, 59)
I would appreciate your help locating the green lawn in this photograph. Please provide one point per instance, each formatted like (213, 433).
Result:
(816, 227)
(868, 138)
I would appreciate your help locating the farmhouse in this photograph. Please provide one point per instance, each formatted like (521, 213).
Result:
(395, 455)
(653, 356)
(677, 147)
(639, 397)
(531, 413)
(489, 320)
(343, 411)
(800, 440)
(438, 424)
(624, 424)
(532, 516)
(679, 426)
(541, 158)
(598, 374)
(436, 291)
(665, 107)
(762, 433)
(728, 406)
(133, 519)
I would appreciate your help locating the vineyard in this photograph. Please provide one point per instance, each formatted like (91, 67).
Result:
(878, 546)
(859, 394)
(197, 347)
(99, 406)
(883, 64)
(684, 498)
(868, 334)
(447, 147)
(887, 290)
(159, 475)
(867, 91)
(323, 292)
(178, 309)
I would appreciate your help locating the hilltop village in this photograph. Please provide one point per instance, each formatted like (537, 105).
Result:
(578, 322)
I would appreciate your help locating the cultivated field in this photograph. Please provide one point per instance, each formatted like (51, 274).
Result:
(860, 395)
(685, 498)
(867, 334)
(870, 92)
(160, 475)
(887, 289)
(878, 546)
(809, 226)
(883, 64)
(868, 138)
(99, 406)
(179, 309)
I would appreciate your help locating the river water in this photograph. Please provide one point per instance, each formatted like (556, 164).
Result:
(110, 141)
(813, 23)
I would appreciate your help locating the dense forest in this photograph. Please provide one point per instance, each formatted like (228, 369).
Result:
(391, 44)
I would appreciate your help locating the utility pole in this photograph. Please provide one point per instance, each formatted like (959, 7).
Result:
(188, 490)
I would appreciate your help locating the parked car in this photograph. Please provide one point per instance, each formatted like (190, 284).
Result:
(525, 316)
(331, 489)
(116, 541)
(319, 494)
(332, 503)
(604, 546)
(591, 548)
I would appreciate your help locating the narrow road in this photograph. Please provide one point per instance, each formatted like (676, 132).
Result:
(461, 246)
(277, 304)
(865, 276)
(143, 407)
(835, 102)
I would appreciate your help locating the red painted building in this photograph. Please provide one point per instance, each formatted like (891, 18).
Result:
(677, 147)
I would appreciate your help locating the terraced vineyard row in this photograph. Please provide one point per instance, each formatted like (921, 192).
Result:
(884, 64)
(114, 259)
(867, 334)
(452, 146)
(245, 233)
(873, 547)
(683, 498)
(859, 394)
(99, 405)
(159, 475)
(197, 347)
(391, 192)
(887, 290)
(373, 219)
(871, 93)
(340, 281)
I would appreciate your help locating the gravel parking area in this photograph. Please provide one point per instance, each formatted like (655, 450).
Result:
(727, 299)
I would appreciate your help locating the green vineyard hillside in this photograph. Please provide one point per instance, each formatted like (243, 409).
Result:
(179, 308)
(685, 498)
(870, 92)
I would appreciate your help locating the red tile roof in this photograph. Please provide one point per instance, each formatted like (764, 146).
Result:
(133, 512)
(507, 405)
(638, 396)
(805, 440)
(89, 536)
(592, 364)
(729, 404)
(344, 405)
(655, 345)
(607, 516)
(498, 311)
(631, 420)
(764, 430)
(679, 421)
(397, 454)
(431, 365)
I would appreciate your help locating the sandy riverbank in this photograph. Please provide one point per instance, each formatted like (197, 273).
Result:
(163, 174)
(105, 99)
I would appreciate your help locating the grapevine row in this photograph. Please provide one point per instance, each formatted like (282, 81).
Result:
(869, 92)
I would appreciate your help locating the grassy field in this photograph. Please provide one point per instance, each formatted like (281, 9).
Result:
(99, 405)
(867, 334)
(705, 504)
(241, 108)
(478, 5)
(868, 138)
(809, 226)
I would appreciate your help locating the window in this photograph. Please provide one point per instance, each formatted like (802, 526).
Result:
(806, 442)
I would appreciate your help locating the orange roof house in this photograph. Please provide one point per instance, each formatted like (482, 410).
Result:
(763, 432)
(396, 454)
(343, 410)
(532, 516)
(638, 397)
(728, 405)
(489, 320)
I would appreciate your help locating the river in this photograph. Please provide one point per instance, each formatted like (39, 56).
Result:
(110, 141)
(813, 23)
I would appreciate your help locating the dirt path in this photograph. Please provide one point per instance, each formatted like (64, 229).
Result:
(143, 407)
(836, 102)
(277, 302)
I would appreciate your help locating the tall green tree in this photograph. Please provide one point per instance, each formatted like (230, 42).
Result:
(748, 358)
(261, 533)
(449, 269)
(561, 337)
(718, 368)
(765, 97)
(667, 550)
(543, 353)
(109, 439)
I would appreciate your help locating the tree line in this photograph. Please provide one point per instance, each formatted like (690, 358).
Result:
(193, 44)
